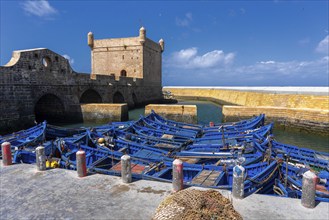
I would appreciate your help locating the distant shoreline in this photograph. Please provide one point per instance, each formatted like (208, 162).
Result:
(322, 90)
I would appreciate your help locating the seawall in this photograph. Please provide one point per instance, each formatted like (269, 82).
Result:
(304, 108)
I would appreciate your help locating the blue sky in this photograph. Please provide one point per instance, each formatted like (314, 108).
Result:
(207, 43)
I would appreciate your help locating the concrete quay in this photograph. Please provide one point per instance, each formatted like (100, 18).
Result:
(58, 193)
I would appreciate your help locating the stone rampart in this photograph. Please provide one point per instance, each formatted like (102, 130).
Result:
(39, 84)
(302, 119)
(254, 98)
(307, 111)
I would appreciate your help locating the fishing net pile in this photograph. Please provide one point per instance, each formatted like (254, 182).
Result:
(196, 204)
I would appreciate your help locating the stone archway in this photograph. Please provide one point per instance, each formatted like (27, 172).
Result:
(118, 98)
(90, 96)
(135, 100)
(49, 107)
(123, 73)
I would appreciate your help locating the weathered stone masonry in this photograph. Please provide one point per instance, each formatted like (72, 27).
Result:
(40, 84)
(307, 112)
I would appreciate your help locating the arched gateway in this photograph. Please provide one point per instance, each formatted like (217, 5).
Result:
(49, 107)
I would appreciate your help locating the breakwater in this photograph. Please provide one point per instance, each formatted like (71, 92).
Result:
(303, 108)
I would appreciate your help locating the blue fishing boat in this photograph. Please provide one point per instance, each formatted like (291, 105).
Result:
(104, 129)
(53, 132)
(165, 144)
(220, 177)
(146, 123)
(226, 137)
(151, 132)
(208, 156)
(289, 183)
(111, 165)
(220, 158)
(68, 155)
(104, 161)
(208, 153)
(234, 131)
(108, 162)
(118, 147)
(157, 118)
(31, 136)
(295, 154)
(214, 145)
(252, 123)
(26, 153)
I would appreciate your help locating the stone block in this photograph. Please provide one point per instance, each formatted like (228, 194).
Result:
(104, 113)
(182, 113)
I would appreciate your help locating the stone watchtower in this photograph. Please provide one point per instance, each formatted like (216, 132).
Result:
(135, 57)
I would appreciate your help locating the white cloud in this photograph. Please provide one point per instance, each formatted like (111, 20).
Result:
(323, 46)
(189, 59)
(267, 62)
(293, 69)
(184, 22)
(185, 55)
(186, 67)
(40, 8)
(71, 60)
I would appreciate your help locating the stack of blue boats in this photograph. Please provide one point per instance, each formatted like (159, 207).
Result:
(209, 153)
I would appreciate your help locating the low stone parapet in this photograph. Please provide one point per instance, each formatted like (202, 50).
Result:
(310, 120)
(104, 113)
(181, 113)
(254, 98)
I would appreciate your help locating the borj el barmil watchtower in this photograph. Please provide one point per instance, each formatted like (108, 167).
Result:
(38, 84)
(135, 57)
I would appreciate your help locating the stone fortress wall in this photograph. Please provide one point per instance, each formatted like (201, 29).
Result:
(40, 84)
(305, 110)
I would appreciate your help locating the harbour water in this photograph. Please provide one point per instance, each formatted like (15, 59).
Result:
(210, 111)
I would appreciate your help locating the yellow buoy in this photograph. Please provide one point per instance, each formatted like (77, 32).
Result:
(54, 164)
(101, 140)
(48, 164)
